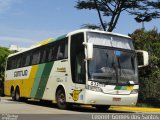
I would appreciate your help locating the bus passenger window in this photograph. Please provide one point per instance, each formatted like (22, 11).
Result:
(13, 63)
(28, 59)
(52, 53)
(36, 58)
(60, 53)
(66, 50)
(9, 64)
(63, 49)
(18, 65)
(43, 55)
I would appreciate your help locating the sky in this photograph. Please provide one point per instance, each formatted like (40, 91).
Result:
(26, 22)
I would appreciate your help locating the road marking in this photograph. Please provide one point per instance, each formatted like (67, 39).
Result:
(125, 108)
(139, 109)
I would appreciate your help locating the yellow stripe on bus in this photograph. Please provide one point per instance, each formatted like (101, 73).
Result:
(129, 87)
(29, 83)
(44, 42)
(25, 85)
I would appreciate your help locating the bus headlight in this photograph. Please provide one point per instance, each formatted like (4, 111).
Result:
(94, 88)
(135, 91)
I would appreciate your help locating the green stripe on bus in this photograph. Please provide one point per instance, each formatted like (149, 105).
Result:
(120, 88)
(37, 80)
(58, 38)
(44, 80)
(117, 88)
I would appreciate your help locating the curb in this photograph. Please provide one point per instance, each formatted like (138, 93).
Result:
(139, 109)
(126, 108)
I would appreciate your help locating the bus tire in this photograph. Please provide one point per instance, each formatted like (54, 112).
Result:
(17, 94)
(13, 95)
(61, 99)
(102, 107)
(23, 99)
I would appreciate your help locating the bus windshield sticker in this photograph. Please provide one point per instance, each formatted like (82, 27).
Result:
(118, 53)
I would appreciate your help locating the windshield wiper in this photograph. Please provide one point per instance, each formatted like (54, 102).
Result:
(104, 81)
(115, 67)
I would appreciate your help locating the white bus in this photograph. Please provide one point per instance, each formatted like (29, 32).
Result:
(82, 67)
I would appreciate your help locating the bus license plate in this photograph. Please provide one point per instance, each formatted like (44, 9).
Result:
(116, 99)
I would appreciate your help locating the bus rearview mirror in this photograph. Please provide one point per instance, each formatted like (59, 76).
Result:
(143, 58)
(89, 50)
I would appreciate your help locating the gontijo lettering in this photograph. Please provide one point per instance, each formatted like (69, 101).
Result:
(20, 73)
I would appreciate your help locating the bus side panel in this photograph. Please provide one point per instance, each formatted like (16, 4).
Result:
(36, 80)
(14, 83)
(24, 83)
(60, 76)
(43, 80)
(28, 84)
(7, 87)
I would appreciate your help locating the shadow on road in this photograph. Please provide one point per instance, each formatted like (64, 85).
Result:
(75, 108)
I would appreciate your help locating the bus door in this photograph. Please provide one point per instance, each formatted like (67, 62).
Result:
(78, 67)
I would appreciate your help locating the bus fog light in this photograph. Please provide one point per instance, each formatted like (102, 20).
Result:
(92, 101)
(133, 103)
(94, 88)
(135, 91)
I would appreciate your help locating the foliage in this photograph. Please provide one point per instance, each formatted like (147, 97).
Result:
(149, 77)
(4, 52)
(112, 9)
(150, 10)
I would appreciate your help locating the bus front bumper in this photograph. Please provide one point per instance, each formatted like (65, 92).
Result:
(98, 98)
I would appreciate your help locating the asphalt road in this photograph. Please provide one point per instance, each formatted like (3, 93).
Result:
(36, 107)
(31, 110)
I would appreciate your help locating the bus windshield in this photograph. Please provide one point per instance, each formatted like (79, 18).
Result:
(112, 64)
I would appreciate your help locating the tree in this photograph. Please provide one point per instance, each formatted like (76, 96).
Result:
(4, 52)
(149, 78)
(151, 10)
(112, 9)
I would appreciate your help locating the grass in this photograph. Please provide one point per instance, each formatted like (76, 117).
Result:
(148, 105)
(144, 105)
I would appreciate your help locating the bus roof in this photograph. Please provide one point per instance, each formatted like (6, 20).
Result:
(98, 31)
(44, 42)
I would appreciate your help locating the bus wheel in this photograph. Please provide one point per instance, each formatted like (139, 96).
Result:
(23, 99)
(61, 99)
(102, 107)
(13, 95)
(17, 95)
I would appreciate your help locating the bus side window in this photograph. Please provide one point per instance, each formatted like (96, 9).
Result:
(26, 59)
(23, 59)
(8, 64)
(36, 57)
(43, 55)
(63, 49)
(18, 63)
(66, 49)
(13, 64)
(53, 48)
